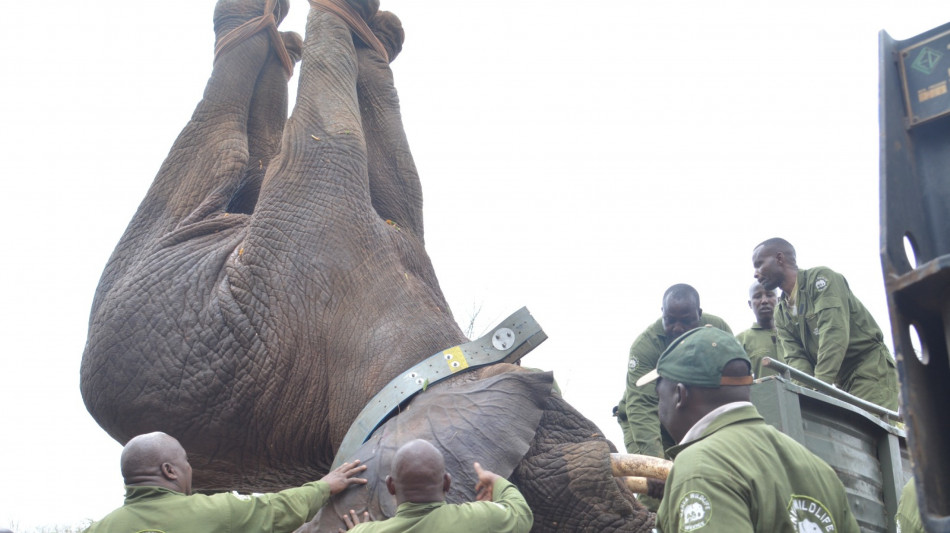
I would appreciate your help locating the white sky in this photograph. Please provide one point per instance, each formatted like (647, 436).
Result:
(576, 157)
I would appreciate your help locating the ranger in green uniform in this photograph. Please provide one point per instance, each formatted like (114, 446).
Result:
(419, 483)
(908, 513)
(681, 313)
(158, 496)
(823, 328)
(761, 340)
(732, 472)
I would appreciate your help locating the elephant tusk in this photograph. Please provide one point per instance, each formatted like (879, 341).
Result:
(636, 484)
(628, 464)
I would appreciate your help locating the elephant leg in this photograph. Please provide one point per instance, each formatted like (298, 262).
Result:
(322, 165)
(211, 152)
(315, 220)
(394, 182)
(265, 125)
(210, 155)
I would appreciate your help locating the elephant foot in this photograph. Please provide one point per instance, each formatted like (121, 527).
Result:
(230, 14)
(293, 42)
(366, 8)
(388, 29)
(356, 14)
(237, 20)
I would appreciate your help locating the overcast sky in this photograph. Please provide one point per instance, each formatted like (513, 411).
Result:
(577, 158)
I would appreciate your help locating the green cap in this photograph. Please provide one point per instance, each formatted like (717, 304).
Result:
(697, 357)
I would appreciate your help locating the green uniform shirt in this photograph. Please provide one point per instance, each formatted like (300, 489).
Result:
(829, 334)
(643, 422)
(759, 343)
(742, 475)
(160, 509)
(508, 512)
(908, 513)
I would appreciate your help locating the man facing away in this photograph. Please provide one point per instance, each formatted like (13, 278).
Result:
(158, 496)
(419, 482)
(823, 329)
(732, 471)
(760, 341)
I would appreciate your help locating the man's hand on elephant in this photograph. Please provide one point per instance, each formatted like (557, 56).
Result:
(342, 477)
(486, 481)
(351, 520)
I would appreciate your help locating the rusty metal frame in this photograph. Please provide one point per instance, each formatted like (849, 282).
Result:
(915, 214)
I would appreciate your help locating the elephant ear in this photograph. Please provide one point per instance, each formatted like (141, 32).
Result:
(492, 421)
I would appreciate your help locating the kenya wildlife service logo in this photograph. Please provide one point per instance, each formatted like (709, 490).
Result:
(632, 365)
(821, 283)
(809, 515)
(695, 511)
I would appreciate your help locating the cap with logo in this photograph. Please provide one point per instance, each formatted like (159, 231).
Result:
(697, 358)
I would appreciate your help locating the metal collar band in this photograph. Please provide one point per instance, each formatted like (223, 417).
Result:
(508, 342)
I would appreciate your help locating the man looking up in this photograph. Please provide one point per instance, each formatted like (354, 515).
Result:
(823, 329)
(760, 340)
(158, 496)
(732, 471)
(419, 482)
(681, 312)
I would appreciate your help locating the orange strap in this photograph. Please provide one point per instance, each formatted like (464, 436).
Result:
(353, 19)
(252, 27)
(735, 381)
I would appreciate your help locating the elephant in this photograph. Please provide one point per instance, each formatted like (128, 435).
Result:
(275, 277)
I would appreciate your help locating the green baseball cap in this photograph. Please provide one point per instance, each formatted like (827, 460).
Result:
(697, 357)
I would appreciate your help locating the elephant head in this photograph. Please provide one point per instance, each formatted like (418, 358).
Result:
(274, 278)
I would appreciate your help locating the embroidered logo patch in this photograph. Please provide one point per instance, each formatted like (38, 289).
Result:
(821, 284)
(632, 365)
(695, 511)
(808, 515)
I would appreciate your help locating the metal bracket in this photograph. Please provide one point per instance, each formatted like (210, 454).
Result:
(508, 342)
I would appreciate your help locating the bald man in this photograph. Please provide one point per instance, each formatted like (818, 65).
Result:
(823, 329)
(761, 340)
(419, 483)
(158, 496)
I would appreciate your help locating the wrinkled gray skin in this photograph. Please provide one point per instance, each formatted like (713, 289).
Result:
(258, 298)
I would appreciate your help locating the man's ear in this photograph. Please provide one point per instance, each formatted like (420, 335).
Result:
(390, 486)
(700, 312)
(750, 304)
(446, 482)
(780, 257)
(680, 396)
(168, 471)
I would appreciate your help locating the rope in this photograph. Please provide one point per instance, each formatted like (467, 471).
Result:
(251, 28)
(356, 23)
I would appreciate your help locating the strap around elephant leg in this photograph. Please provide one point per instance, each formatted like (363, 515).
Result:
(268, 22)
(352, 19)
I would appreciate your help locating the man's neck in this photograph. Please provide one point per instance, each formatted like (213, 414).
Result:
(766, 324)
(788, 284)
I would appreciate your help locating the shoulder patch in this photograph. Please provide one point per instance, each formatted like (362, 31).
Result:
(809, 515)
(695, 511)
(632, 365)
(821, 283)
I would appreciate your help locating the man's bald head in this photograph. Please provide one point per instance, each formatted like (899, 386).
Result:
(418, 473)
(777, 244)
(156, 459)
